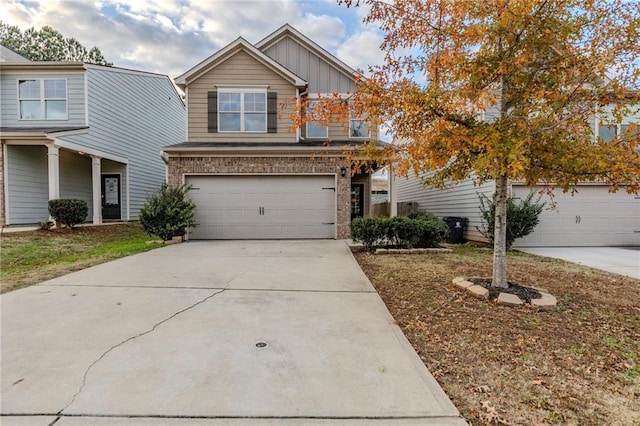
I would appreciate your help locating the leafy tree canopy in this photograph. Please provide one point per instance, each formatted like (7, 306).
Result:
(48, 44)
(505, 90)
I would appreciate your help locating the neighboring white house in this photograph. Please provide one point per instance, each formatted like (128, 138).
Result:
(591, 217)
(74, 130)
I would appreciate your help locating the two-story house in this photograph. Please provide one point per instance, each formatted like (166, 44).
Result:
(75, 130)
(253, 175)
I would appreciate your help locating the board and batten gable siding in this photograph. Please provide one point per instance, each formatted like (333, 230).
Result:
(133, 115)
(239, 70)
(9, 99)
(322, 76)
(460, 200)
(27, 184)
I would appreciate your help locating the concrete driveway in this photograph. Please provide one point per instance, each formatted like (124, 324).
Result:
(619, 260)
(241, 332)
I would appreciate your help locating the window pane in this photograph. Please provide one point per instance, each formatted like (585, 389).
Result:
(229, 122)
(30, 110)
(56, 110)
(255, 102)
(229, 101)
(56, 89)
(255, 122)
(315, 130)
(358, 129)
(607, 133)
(29, 89)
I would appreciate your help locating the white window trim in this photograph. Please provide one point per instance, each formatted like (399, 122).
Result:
(43, 99)
(313, 98)
(242, 91)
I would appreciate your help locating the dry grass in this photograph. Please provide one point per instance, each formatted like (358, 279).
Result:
(577, 365)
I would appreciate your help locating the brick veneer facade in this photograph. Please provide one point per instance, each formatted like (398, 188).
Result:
(179, 166)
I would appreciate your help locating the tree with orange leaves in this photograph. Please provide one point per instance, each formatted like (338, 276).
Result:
(507, 90)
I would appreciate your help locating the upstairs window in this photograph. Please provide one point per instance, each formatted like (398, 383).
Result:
(43, 99)
(242, 111)
(359, 127)
(610, 132)
(315, 130)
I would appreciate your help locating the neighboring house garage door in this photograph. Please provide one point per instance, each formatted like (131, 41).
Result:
(263, 207)
(592, 217)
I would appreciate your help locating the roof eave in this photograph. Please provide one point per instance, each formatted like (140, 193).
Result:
(184, 79)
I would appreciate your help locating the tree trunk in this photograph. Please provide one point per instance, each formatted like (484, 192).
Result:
(500, 234)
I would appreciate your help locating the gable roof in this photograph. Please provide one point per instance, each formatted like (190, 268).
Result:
(8, 55)
(288, 31)
(227, 51)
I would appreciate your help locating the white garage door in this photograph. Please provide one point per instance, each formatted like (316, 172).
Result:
(592, 217)
(263, 207)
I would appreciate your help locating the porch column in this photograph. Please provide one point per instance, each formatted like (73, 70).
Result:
(97, 189)
(54, 171)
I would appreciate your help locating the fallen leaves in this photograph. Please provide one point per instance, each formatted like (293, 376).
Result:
(529, 367)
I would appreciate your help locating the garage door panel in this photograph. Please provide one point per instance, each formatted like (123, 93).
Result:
(229, 207)
(592, 217)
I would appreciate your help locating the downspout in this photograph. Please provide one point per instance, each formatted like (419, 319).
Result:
(165, 159)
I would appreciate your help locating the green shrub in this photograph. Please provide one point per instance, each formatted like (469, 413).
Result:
(368, 230)
(68, 212)
(168, 213)
(417, 230)
(522, 218)
(432, 231)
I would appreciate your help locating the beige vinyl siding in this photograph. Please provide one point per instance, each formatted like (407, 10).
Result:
(239, 70)
(457, 200)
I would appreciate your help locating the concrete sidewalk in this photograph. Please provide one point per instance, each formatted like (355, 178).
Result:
(233, 333)
(619, 260)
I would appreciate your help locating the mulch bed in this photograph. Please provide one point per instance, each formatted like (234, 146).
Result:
(523, 292)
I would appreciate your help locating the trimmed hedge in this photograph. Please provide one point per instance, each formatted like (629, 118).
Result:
(68, 212)
(419, 229)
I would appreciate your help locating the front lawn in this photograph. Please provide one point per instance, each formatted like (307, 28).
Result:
(579, 364)
(31, 257)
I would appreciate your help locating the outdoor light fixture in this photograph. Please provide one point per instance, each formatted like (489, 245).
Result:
(343, 171)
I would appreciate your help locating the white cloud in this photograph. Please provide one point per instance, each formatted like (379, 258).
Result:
(170, 36)
(327, 31)
(362, 49)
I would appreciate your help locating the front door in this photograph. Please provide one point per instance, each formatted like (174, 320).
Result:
(357, 200)
(111, 197)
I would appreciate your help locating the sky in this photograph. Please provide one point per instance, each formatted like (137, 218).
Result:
(171, 36)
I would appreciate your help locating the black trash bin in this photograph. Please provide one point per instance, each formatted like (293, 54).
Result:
(456, 228)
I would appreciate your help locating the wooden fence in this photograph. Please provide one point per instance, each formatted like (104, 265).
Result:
(381, 209)
(406, 207)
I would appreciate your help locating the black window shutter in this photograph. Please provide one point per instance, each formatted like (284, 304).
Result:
(212, 112)
(272, 112)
